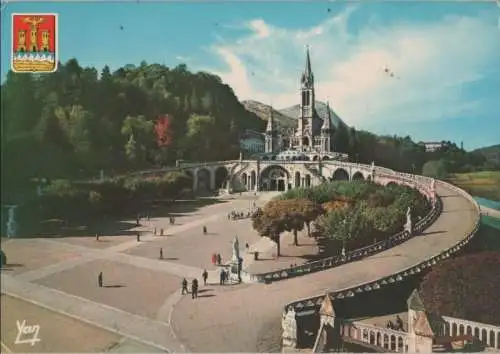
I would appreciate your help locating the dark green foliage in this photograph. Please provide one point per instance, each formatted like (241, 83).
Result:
(466, 287)
(436, 169)
(114, 197)
(375, 213)
(71, 124)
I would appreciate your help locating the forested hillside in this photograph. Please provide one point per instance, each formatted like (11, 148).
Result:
(77, 121)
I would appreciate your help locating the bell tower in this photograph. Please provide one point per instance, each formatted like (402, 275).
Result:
(306, 111)
(271, 134)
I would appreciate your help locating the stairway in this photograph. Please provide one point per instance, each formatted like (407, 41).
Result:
(314, 171)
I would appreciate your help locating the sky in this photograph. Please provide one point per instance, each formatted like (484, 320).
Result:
(444, 56)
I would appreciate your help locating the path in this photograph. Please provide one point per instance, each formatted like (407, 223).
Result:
(233, 318)
(244, 315)
(490, 211)
(156, 333)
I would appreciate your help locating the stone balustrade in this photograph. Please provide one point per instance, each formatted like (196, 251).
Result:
(488, 335)
(314, 302)
(423, 184)
(389, 339)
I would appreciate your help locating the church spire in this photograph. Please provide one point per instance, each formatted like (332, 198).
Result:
(307, 76)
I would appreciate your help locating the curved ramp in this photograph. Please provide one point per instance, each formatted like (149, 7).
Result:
(237, 319)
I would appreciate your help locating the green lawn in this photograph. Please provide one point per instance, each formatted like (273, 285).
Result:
(484, 184)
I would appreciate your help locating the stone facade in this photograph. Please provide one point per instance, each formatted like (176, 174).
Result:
(312, 136)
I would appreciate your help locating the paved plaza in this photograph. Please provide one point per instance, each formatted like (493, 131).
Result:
(142, 307)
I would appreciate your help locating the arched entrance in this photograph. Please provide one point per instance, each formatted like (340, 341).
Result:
(297, 179)
(315, 158)
(203, 177)
(274, 178)
(253, 180)
(221, 174)
(358, 176)
(244, 178)
(391, 184)
(340, 175)
(305, 141)
(308, 180)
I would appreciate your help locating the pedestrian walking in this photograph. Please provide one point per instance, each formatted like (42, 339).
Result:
(204, 230)
(205, 277)
(99, 279)
(97, 237)
(161, 232)
(138, 237)
(219, 259)
(194, 289)
(184, 287)
(154, 231)
(222, 276)
(161, 253)
(247, 247)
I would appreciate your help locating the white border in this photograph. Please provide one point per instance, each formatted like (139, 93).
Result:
(56, 41)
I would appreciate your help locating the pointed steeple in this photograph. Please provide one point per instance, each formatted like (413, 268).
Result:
(270, 120)
(327, 122)
(307, 76)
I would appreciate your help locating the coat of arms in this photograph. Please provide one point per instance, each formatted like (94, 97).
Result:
(34, 43)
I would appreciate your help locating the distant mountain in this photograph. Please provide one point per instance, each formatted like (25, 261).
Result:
(262, 111)
(492, 153)
(321, 108)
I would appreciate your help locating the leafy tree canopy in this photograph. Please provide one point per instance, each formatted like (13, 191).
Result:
(466, 287)
(75, 122)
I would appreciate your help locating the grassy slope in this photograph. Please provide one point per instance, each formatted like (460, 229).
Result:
(484, 184)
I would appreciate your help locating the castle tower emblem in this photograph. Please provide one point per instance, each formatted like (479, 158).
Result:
(34, 43)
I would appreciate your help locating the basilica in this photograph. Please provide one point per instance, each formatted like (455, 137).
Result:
(312, 139)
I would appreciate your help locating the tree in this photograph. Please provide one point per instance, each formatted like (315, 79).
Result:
(436, 169)
(466, 287)
(131, 148)
(268, 226)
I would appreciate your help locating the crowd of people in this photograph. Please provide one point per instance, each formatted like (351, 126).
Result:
(397, 325)
(238, 215)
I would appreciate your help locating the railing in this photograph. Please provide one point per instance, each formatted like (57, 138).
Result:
(489, 335)
(386, 338)
(314, 302)
(357, 254)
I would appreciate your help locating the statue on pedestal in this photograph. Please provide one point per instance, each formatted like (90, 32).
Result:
(408, 225)
(11, 221)
(236, 250)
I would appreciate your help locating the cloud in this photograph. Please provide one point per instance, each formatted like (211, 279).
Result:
(183, 58)
(433, 64)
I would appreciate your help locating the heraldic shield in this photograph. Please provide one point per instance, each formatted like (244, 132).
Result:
(34, 43)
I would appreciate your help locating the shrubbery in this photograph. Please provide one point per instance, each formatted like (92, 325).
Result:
(351, 214)
(62, 199)
(466, 287)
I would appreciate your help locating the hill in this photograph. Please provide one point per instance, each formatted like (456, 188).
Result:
(491, 153)
(321, 108)
(262, 111)
(77, 121)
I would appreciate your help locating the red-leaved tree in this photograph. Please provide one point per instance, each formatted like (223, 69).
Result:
(163, 130)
